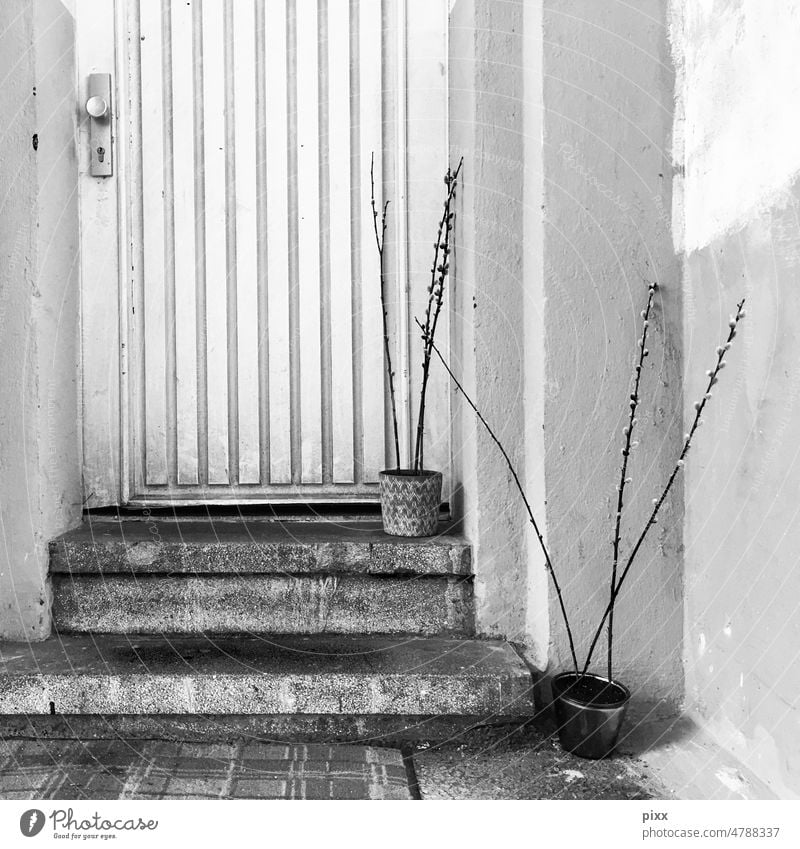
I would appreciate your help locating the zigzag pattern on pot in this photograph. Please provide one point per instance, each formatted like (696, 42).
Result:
(410, 504)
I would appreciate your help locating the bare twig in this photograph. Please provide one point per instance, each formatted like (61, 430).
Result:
(657, 502)
(380, 239)
(626, 451)
(439, 272)
(521, 491)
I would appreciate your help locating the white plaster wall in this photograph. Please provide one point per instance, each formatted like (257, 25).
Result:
(487, 82)
(741, 197)
(23, 604)
(733, 54)
(39, 436)
(608, 109)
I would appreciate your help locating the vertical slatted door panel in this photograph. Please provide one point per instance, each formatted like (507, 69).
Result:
(213, 221)
(243, 200)
(389, 174)
(276, 188)
(199, 233)
(427, 161)
(306, 292)
(367, 87)
(337, 326)
(152, 191)
(258, 346)
(183, 223)
(262, 254)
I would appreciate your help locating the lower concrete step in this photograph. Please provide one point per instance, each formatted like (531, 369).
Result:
(301, 677)
(258, 604)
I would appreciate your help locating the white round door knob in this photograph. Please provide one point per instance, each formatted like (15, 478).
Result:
(96, 106)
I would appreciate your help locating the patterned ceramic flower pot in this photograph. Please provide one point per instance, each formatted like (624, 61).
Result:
(410, 502)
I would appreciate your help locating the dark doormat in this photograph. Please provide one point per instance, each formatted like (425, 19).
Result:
(156, 769)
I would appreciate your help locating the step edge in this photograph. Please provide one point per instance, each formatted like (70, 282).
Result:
(60, 694)
(222, 558)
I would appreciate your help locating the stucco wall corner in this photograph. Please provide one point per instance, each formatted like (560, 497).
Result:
(39, 445)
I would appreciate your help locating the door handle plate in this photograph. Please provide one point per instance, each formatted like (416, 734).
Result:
(98, 107)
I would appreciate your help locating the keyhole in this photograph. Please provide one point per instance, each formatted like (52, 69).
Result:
(101, 152)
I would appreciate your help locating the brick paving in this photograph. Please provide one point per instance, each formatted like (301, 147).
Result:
(152, 769)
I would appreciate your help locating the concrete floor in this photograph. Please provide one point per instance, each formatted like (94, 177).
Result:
(526, 763)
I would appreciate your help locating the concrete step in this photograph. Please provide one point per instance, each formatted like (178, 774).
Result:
(273, 604)
(273, 681)
(254, 547)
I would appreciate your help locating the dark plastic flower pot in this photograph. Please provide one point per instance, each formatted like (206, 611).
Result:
(590, 711)
(410, 502)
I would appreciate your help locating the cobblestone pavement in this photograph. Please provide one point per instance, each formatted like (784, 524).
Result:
(152, 769)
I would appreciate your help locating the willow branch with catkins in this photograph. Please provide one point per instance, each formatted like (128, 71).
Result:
(713, 375)
(551, 570)
(626, 452)
(439, 272)
(380, 241)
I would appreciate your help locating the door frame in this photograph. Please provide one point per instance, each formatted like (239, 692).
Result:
(103, 229)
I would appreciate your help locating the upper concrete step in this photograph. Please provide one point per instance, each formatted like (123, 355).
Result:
(226, 546)
(301, 676)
